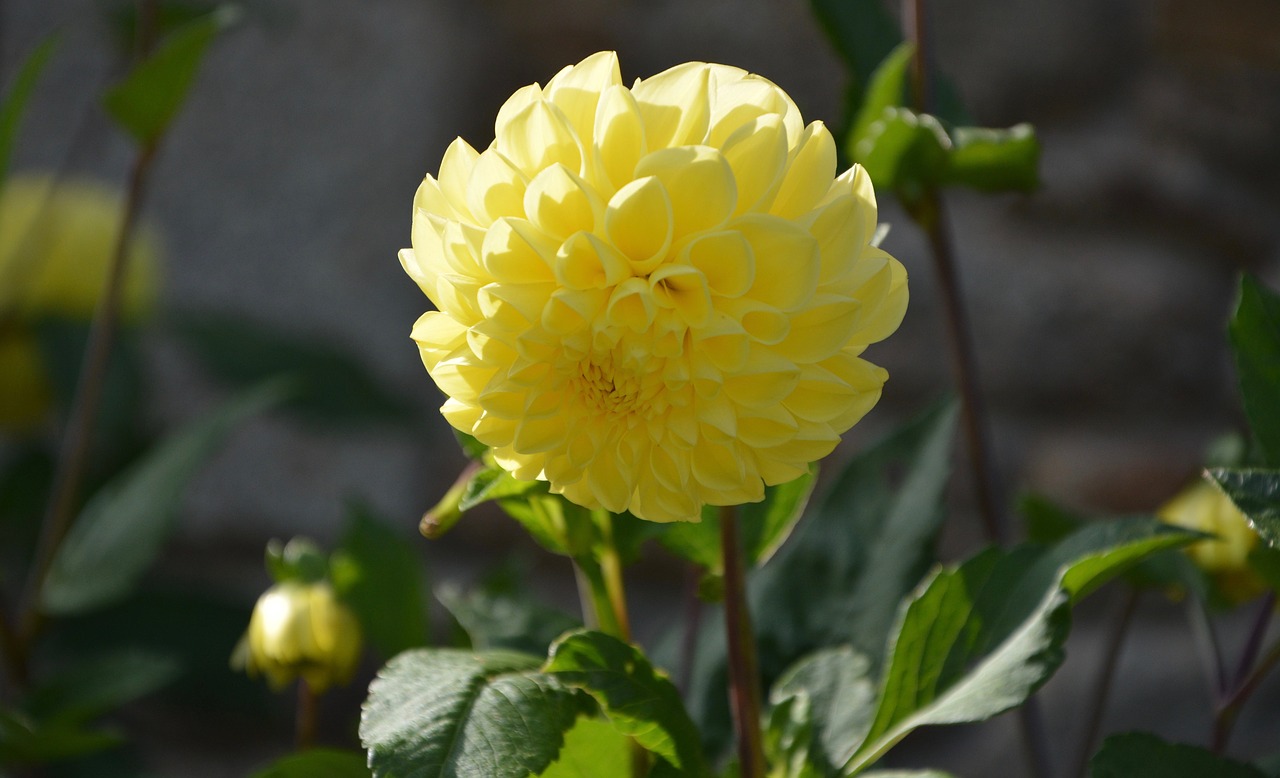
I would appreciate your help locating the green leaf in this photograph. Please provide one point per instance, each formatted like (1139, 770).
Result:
(903, 150)
(1255, 340)
(863, 34)
(1257, 494)
(101, 685)
(1045, 520)
(994, 160)
(122, 528)
(636, 698)
(23, 741)
(979, 639)
(301, 559)
(379, 573)
(15, 99)
(840, 695)
(148, 98)
(318, 763)
(764, 526)
(887, 89)
(1142, 755)
(494, 483)
(439, 712)
(593, 748)
(334, 388)
(500, 616)
(905, 774)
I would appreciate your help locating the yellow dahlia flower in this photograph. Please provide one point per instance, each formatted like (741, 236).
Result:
(655, 297)
(301, 629)
(56, 244)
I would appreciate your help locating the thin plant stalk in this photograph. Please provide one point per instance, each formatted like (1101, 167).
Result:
(744, 671)
(308, 715)
(1253, 645)
(10, 650)
(1209, 649)
(1106, 674)
(1249, 675)
(692, 625)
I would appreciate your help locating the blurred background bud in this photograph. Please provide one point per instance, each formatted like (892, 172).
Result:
(1204, 508)
(300, 629)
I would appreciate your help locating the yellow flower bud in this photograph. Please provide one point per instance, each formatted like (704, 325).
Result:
(300, 629)
(56, 245)
(1204, 508)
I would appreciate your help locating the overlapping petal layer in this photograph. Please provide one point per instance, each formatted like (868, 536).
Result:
(653, 298)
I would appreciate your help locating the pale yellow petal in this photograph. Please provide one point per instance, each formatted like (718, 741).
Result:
(639, 221)
(560, 203)
(674, 105)
(699, 182)
(813, 164)
(757, 152)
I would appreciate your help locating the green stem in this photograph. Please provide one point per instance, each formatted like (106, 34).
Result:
(611, 571)
(744, 670)
(1102, 686)
(1247, 679)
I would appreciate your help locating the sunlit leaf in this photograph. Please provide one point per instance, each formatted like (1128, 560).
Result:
(593, 748)
(840, 695)
(1257, 494)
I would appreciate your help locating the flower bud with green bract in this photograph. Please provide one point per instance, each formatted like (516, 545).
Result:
(1225, 558)
(653, 298)
(301, 629)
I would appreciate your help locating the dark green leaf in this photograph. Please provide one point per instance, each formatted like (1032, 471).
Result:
(438, 712)
(499, 617)
(379, 573)
(1255, 340)
(333, 387)
(1046, 521)
(636, 698)
(169, 16)
(124, 525)
(1265, 561)
(101, 685)
(318, 763)
(145, 102)
(992, 160)
(905, 774)
(494, 483)
(473, 448)
(15, 99)
(981, 638)
(1257, 494)
(301, 559)
(887, 89)
(1142, 755)
(23, 741)
(840, 695)
(592, 749)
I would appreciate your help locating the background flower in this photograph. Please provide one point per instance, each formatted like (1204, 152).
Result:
(1203, 507)
(653, 298)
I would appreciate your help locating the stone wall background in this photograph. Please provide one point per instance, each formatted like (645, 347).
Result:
(1098, 303)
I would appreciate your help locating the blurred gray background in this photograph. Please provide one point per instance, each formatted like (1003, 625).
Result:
(1098, 303)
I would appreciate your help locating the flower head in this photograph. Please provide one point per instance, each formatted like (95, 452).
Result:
(656, 297)
(302, 629)
(56, 244)
(1203, 507)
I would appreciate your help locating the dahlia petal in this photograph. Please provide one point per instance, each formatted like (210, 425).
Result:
(786, 260)
(767, 426)
(724, 343)
(757, 152)
(764, 323)
(675, 105)
(718, 467)
(560, 203)
(813, 163)
(699, 182)
(822, 328)
(609, 481)
(576, 89)
(685, 290)
(883, 317)
(496, 188)
(638, 220)
(725, 258)
(618, 138)
(539, 136)
(741, 96)
(838, 228)
(514, 251)
(535, 436)
(764, 381)
(570, 310)
(422, 274)
(585, 261)
(514, 306)
(455, 174)
(438, 332)
(631, 306)
(517, 102)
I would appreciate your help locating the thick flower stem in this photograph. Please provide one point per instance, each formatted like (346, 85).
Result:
(611, 571)
(308, 710)
(744, 672)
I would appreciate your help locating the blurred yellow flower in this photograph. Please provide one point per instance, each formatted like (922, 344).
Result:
(1203, 507)
(653, 298)
(56, 243)
(301, 629)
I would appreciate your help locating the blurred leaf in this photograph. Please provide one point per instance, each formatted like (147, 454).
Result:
(496, 616)
(863, 33)
(333, 387)
(98, 686)
(904, 151)
(1045, 521)
(298, 560)
(979, 639)
(471, 447)
(23, 741)
(15, 98)
(493, 483)
(906, 774)
(637, 699)
(123, 527)
(1143, 755)
(764, 526)
(788, 741)
(1255, 341)
(379, 573)
(24, 491)
(148, 98)
(592, 749)
(555, 523)
(994, 160)
(1264, 560)
(318, 763)
(169, 16)
(840, 694)
(887, 89)
(438, 712)
(1257, 494)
